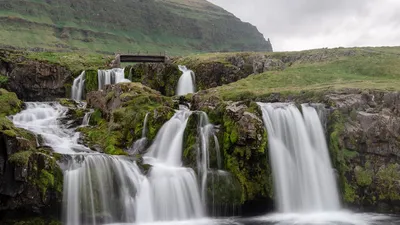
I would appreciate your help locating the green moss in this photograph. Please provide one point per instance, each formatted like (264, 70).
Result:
(104, 137)
(67, 102)
(95, 118)
(45, 181)
(91, 83)
(10, 133)
(336, 128)
(9, 103)
(363, 176)
(109, 96)
(249, 163)
(388, 182)
(20, 158)
(3, 81)
(349, 193)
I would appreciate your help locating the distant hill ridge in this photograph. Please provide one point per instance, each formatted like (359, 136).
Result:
(175, 26)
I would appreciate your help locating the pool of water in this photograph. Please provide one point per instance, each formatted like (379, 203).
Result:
(333, 218)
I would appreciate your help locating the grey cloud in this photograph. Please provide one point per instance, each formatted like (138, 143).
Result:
(303, 24)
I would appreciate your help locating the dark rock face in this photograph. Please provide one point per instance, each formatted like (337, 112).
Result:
(368, 150)
(30, 181)
(34, 81)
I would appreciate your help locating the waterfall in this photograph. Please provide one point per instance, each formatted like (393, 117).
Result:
(113, 76)
(43, 119)
(140, 145)
(101, 189)
(86, 118)
(78, 87)
(303, 176)
(206, 130)
(186, 83)
(174, 190)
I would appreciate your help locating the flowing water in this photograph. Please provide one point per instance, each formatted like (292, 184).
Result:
(303, 176)
(174, 191)
(78, 86)
(102, 189)
(112, 76)
(43, 119)
(186, 83)
(86, 118)
(139, 146)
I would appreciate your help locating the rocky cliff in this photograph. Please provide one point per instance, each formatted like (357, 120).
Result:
(30, 179)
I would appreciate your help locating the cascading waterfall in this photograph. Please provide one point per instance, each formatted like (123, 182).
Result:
(203, 156)
(174, 190)
(101, 189)
(303, 176)
(43, 120)
(78, 86)
(186, 83)
(113, 76)
(86, 118)
(140, 145)
(98, 188)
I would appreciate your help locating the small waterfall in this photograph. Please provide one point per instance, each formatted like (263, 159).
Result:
(101, 189)
(303, 175)
(86, 118)
(174, 190)
(113, 76)
(203, 156)
(43, 119)
(78, 87)
(186, 83)
(140, 145)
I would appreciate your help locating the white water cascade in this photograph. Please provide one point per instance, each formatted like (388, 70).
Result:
(98, 188)
(113, 76)
(101, 189)
(206, 130)
(303, 176)
(78, 87)
(140, 145)
(43, 120)
(174, 190)
(186, 83)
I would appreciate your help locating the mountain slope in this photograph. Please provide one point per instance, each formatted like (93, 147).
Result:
(175, 26)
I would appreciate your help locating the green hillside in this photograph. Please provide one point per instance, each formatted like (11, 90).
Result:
(174, 26)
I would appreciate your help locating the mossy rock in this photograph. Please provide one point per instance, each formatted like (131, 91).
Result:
(91, 83)
(9, 103)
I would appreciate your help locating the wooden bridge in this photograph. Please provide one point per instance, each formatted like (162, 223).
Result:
(138, 58)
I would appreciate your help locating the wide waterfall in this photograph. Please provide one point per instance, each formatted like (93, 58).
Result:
(100, 189)
(303, 176)
(113, 76)
(78, 87)
(174, 190)
(186, 83)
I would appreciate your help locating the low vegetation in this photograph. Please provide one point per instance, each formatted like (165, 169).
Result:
(366, 68)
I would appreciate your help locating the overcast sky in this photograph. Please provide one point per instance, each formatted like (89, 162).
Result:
(307, 24)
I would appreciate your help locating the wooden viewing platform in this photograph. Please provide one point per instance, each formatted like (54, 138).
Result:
(138, 58)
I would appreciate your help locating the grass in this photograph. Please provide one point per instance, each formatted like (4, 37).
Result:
(380, 69)
(75, 61)
(176, 26)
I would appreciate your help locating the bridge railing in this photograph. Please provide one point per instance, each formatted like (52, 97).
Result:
(143, 53)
